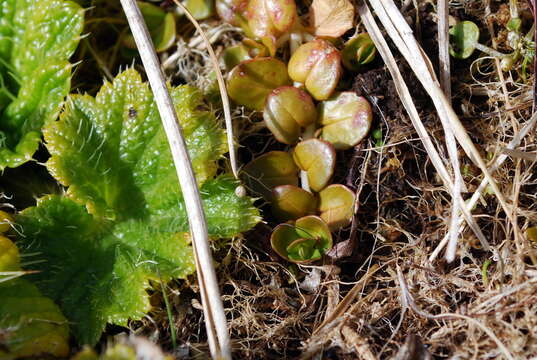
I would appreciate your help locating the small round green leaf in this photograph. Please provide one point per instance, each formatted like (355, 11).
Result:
(336, 205)
(316, 64)
(463, 39)
(270, 170)
(251, 81)
(358, 51)
(305, 241)
(318, 159)
(346, 119)
(290, 202)
(287, 111)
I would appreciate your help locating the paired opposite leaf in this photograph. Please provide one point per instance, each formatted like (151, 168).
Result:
(36, 40)
(270, 19)
(316, 64)
(318, 159)
(346, 119)
(305, 241)
(251, 81)
(270, 170)
(287, 111)
(122, 221)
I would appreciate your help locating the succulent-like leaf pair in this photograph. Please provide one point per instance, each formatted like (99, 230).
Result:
(264, 84)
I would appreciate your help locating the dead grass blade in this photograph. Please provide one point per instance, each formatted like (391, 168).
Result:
(348, 299)
(215, 319)
(221, 87)
(406, 99)
(451, 144)
(402, 35)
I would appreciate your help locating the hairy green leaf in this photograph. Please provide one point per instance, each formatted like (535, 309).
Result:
(123, 219)
(31, 325)
(36, 40)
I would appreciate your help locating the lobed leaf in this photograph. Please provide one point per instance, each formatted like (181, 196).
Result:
(36, 40)
(123, 218)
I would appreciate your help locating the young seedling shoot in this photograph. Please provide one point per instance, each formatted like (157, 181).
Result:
(305, 241)
(358, 51)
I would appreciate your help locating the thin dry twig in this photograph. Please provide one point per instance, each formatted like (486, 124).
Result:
(215, 319)
(451, 144)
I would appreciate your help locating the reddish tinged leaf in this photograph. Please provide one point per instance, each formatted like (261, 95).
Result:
(336, 204)
(232, 11)
(290, 202)
(346, 119)
(251, 81)
(316, 64)
(331, 17)
(270, 19)
(270, 170)
(287, 111)
(318, 159)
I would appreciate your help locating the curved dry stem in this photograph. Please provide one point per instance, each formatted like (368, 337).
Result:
(223, 91)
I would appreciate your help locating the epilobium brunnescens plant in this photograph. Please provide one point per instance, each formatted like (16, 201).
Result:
(309, 115)
(464, 40)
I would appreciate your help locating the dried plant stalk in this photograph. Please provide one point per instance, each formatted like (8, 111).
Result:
(406, 99)
(401, 34)
(215, 319)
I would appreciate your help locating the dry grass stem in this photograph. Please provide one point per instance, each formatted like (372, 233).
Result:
(216, 324)
(222, 88)
(399, 31)
(406, 99)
